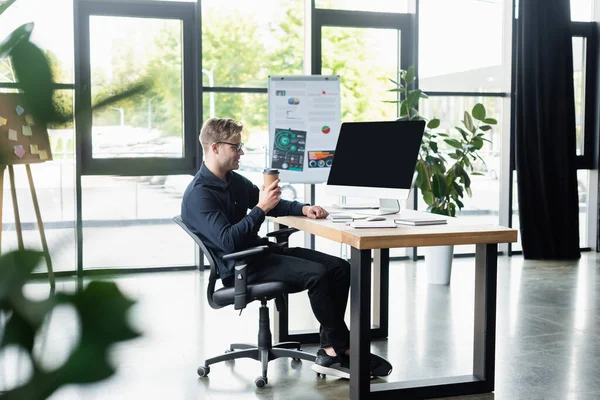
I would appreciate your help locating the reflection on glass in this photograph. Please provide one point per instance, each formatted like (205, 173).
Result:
(365, 60)
(124, 50)
(242, 43)
(579, 46)
(384, 6)
(467, 57)
(53, 33)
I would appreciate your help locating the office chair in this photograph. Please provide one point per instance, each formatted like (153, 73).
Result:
(243, 293)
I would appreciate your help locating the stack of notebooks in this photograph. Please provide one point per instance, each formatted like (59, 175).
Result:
(421, 220)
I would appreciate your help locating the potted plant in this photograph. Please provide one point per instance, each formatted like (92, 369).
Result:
(444, 165)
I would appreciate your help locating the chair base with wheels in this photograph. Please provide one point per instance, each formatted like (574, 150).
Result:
(264, 352)
(239, 296)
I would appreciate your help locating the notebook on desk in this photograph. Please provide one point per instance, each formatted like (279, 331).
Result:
(421, 220)
(373, 224)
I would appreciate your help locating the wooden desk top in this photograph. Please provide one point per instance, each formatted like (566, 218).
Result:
(455, 232)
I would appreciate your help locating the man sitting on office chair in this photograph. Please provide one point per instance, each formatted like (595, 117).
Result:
(215, 207)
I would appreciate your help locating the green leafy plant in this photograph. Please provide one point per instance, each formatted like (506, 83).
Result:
(445, 161)
(101, 307)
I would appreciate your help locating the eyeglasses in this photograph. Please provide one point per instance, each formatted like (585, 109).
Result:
(238, 146)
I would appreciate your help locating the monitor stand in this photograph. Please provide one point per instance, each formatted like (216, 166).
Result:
(386, 207)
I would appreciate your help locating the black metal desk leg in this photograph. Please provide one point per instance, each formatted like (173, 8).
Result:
(484, 343)
(381, 293)
(360, 323)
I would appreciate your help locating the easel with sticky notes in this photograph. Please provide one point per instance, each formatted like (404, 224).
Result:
(22, 142)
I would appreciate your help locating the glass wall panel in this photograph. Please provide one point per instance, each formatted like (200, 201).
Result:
(124, 50)
(243, 42)
(365, 60)
(582, 10)
(53, 33)
(484, 206)
(579, 47)
(55, 189)
(385, 6)
(127, 222)
(461, 45)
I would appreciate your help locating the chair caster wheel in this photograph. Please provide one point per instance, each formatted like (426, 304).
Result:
(203, 371)
(229, 351)
(296, 359)
(260, 382)
(319, 375)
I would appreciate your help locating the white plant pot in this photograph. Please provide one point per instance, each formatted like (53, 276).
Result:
(438, 260)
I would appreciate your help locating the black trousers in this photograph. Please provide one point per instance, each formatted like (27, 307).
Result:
(327, 279)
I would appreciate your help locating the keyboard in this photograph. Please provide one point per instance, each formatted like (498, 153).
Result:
(355, 206)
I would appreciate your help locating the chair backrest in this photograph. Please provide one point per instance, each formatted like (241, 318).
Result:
(214, 270)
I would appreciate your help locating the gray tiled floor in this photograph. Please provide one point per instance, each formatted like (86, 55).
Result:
(548, 336)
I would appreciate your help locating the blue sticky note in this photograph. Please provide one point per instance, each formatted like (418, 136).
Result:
(20, 110)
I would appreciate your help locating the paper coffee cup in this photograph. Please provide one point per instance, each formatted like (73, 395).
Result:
(270, 175)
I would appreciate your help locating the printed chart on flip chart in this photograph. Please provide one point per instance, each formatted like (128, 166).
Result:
(304, 124)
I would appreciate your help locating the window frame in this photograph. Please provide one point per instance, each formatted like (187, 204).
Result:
(142, 166)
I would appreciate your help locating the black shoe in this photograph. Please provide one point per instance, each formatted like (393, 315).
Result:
(378, 366)
(328, 365)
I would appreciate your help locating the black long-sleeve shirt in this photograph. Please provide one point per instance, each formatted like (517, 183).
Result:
(217, 211)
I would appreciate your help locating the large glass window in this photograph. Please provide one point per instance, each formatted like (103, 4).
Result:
(53, 33)
(384, 6)
(579, 64)
(366, 60)
(123, 50)
(127, 222)
(461, 46)
(243, 43)
(582, 10)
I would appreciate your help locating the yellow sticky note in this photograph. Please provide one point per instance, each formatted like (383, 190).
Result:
(43, 154)
(12, 135)
(27, 130)
(3, 121)
(34, 149)
(29, 120)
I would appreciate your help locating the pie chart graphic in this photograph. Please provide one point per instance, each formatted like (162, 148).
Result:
(325, 129)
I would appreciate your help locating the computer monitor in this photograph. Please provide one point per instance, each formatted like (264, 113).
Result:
(376, 159)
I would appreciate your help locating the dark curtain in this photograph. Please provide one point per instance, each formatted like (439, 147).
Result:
(545, 131)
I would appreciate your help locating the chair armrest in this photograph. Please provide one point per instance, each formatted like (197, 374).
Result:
(240, 276)
(252, 251)
(282, 235)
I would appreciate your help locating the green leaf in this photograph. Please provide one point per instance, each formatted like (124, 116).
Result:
(413, 98)
(399, 89)
(434, 146)
(490, 121)
(463, 133)
(460, 204)
(468, 190)
(20, 34)
(396, 83)
(478, 143)
(410, 75)
(485, 128)
(458, 188)
(34, 75)
(15, 268)
(424, 96)
(403, 109)
(477, 173)
(438, 186)
(468, 121)
(19, 332)
(442, 134)
(5, 5)
(454, 143)
(433, 124)
(478, 112)
(428, 198)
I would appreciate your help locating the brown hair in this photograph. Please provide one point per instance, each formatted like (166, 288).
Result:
(219, 130)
